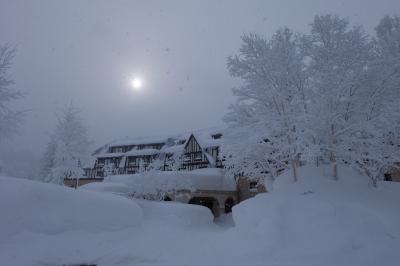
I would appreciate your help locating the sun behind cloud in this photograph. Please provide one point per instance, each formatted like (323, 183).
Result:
(137, 83)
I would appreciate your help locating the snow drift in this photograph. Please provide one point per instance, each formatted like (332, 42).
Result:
(50, 209)
(176, 213)
(319, 221)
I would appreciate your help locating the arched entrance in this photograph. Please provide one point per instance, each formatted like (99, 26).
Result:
(208, 202)
(167, 198)
(228, 205)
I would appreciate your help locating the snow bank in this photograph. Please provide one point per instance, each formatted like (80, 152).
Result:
(177, 214)
(50, 209)
(319, 221)
(118, 188)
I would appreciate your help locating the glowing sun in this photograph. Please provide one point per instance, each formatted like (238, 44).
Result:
(137, 83)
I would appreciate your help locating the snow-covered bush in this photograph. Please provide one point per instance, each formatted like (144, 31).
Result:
(153, 185)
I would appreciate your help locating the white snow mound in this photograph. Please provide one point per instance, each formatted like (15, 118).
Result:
(50, 209)
(176, 213)
(320, 221)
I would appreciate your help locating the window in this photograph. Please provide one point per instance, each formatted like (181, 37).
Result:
(198, 156)
(187, 158)
(388, 177)
(253, 185)
(132, 161)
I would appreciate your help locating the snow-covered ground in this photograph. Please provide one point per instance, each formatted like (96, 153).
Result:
(316, 221)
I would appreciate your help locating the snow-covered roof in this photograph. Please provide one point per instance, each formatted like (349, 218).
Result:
(173, 149)
(142, 152)
(140, 141)
(89, 162)
(111, 155)
(207, 142)
(173, 143)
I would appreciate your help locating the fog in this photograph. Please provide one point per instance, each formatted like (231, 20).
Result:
(86, 52)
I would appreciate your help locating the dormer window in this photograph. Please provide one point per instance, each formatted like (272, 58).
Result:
(116, 149)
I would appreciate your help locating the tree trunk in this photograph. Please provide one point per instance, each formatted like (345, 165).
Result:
(335, 171)
(335, 167)
(333, 157)
(294, 166)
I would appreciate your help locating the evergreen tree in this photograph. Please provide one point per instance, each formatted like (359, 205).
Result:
(68, 148)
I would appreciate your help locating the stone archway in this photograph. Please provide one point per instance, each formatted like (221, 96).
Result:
(208, 202)
(228, 205)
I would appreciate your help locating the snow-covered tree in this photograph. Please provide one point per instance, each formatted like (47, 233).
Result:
(384, 74)
(173, 162)
(271, 102)
(109, 169)
(388, 38)
(9, 118)
(48, 160)
(379, 146)
(338, 56)
(158, 163)
(68, 148)
(246, 154)
(332, 95)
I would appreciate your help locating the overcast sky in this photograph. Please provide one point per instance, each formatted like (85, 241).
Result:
(87, 52)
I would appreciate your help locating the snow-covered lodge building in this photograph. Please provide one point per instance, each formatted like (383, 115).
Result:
(196, 156)
(131, 156)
